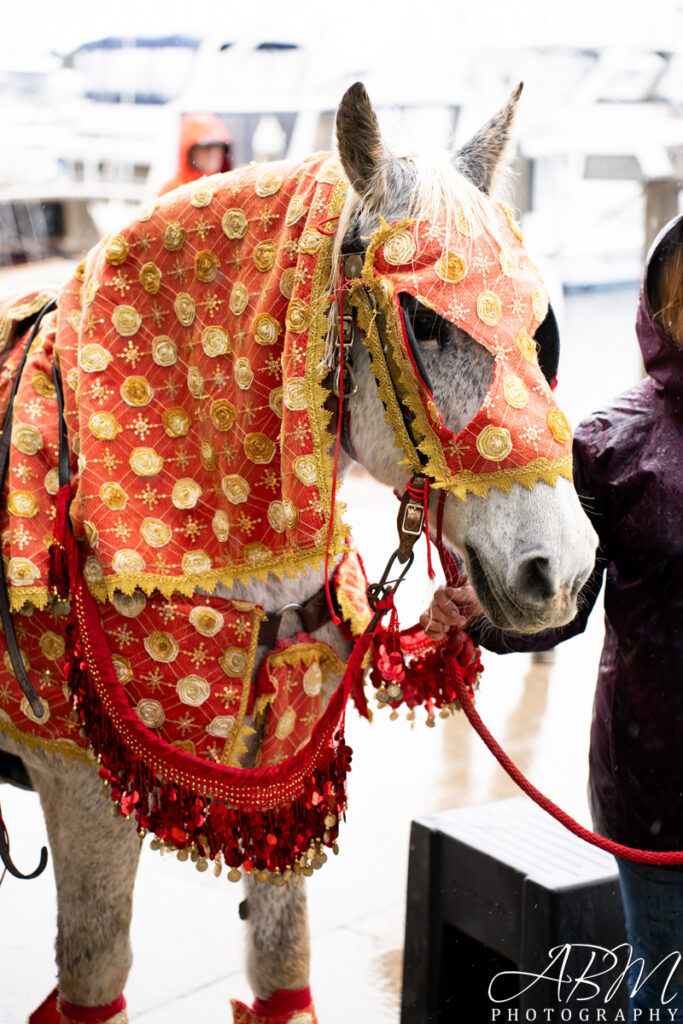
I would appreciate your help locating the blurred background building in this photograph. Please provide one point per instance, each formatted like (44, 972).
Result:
(89, 122)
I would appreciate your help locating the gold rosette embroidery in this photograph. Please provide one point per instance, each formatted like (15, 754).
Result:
(150, 278)
(310, 241)
(127, 562)
(126, 320)
(203, 193)
(494, 443)
(215, 342)
(313, 680)
(207, 621)
(234, 224)
(235, 488)
(195, 382)
(186, 493)
(206, 266)
(27, 439)
(239, 299)
(155, 532)
(94, 358)
(146, 212)
(221, 726)
(451, 267)
(527, 346)
(559, 427)
(161, 646)
(264, 255)
(116, 251)
(113, 496)
(129, 605)
(295, 394)
(286, 723)
(173, 238)
(515, 393)
(176, 421)
(256, 553)
(275, 401)
(51, 481)
(90, 291)
(295, 211)
(266, 329)
(164, 350)
(22, 504)
(207, 454)
(195, 563)
(150, 712)
(330, 173)
(509, 263)
(193, 690)
(72, 378)
(244, 375)
(298, 316)
(489, 308)
(137, 391)
(291, 513)
(259, 448)
(222, 414)
(539, 305)
(123, 668)
(287, 282)
(145, 462)
(305, 470)
(52, 645)
(91, 533)
(184, 308)
(269, 182)
(75, 318)
(42, 385)
(400, 248)
(92, 570)
(276, 516)
(220, 524)
(233, 661)
(27, 710)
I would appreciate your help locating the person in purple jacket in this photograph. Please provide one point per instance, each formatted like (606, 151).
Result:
(628, 470)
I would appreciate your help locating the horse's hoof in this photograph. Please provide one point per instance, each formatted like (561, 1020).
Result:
(246, 1015)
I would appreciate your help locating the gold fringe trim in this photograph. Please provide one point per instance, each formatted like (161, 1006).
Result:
(18, 596)
(480, 484)
(235, 745)
(68, 749)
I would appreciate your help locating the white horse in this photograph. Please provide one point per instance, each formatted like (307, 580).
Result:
(528, 553)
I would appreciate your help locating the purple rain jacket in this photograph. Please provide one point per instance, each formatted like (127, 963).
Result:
(628, 469)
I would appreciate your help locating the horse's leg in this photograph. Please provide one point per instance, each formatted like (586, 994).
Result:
(95, 857)
(278, 954)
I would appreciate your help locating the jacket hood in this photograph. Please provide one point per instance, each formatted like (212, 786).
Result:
(195, 130)
(663, 360)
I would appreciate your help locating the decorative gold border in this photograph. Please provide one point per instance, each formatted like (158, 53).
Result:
(68, 749)
(23, 311)
(235, 744)
(18, 596)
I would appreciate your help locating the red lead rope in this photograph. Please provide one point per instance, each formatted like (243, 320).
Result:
(657, 857)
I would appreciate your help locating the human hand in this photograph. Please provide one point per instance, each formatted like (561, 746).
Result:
(450, 606)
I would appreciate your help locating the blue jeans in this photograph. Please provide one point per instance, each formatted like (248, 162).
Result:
(653, 909)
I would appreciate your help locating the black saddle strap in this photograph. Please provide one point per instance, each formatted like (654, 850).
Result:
(5, 613)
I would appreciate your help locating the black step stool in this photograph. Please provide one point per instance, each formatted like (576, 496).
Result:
(493, 888)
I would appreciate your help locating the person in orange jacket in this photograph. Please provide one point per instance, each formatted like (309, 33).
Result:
(204, 149)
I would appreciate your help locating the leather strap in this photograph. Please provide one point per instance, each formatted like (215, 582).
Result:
(5, 613)
(313, 614)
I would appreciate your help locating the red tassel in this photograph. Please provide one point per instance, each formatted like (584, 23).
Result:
(58, 575)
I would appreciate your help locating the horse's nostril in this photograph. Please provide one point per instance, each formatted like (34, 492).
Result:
(534, 580)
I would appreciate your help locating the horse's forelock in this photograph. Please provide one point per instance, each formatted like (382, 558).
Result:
(431, 186)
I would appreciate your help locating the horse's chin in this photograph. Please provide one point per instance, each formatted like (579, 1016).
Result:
(506, 613)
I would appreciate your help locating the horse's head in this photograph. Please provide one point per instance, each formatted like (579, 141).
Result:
(452, 311)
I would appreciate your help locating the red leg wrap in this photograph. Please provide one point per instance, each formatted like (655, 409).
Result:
(283, 1007)
(55, 1009)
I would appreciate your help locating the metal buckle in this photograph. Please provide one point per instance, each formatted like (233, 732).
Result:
(413, 519)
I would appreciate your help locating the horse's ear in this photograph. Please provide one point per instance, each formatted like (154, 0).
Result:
(481, 157)
(363, 154)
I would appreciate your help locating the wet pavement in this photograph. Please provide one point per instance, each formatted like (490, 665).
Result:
(186, 931)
